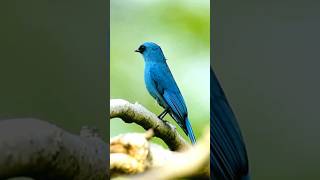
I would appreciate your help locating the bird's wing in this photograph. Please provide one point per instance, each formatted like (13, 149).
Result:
(170, 94)
(177, 105)
(158, 93)
(229, 157)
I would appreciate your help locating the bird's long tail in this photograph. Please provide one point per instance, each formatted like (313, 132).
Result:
(190, 132)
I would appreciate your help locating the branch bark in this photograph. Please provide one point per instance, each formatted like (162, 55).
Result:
(135, 113)
(40, 150)
(193, 163)
(132, 153)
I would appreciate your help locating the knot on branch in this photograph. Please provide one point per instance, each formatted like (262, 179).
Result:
(130, 153)
(89, 132)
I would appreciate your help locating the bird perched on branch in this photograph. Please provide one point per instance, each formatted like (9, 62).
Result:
(162, 86)
(228, 157)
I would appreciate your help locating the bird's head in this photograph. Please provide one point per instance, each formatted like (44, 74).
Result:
(151, 52)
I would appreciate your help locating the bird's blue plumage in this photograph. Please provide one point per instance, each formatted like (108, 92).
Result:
(228, 153)
(189, 129)
(162, 86)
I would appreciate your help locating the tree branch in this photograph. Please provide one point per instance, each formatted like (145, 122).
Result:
(193, 163)
(132, 153)
(40, 150)
(135, 113)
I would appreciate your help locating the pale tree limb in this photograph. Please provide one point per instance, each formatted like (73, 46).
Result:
(194, 163)
(135, 113)
(40, 150)
(132, 153)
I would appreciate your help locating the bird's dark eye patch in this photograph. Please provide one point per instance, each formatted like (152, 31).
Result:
(142, 48)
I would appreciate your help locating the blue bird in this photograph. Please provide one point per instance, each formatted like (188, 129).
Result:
(228, 155)
(162, 86)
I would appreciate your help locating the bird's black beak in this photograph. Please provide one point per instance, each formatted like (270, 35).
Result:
(140, 49)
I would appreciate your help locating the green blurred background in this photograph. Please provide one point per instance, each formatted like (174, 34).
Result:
(182, 29)
(53, 62)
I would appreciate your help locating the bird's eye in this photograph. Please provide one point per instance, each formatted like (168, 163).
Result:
(142, 48)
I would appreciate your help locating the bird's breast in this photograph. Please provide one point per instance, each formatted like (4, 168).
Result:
(148, 79)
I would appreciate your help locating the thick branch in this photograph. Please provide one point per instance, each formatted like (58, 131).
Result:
(194, 163)
(37, 149)
(132, 153)
(138, 114)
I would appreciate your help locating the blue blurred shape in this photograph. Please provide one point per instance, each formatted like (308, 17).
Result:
(228, 158)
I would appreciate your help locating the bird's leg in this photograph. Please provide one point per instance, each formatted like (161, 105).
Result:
(163, 114)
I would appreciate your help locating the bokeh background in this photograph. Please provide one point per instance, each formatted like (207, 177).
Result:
(53, 62)
(266, 55)
(182, 29)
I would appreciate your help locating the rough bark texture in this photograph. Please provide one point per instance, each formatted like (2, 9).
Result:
(135, 113)
(37, 149)
(132, 153)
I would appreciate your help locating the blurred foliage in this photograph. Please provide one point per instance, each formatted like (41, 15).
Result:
(182, 29)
